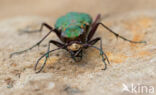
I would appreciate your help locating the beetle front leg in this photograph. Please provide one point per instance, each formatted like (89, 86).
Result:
(102, 53)
(43, 65)
(46, 55)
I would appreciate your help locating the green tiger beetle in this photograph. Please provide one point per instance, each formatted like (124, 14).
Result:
(75, 30)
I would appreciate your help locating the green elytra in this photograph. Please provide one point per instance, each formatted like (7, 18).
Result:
(72, 24)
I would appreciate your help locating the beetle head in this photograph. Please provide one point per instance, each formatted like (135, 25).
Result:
(74, 46)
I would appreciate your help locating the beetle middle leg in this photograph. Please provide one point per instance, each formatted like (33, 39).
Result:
(46, 55)
(38, 43)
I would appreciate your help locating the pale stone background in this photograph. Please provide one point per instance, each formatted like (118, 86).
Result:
(134, 19)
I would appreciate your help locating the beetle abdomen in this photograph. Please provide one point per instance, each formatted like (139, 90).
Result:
(73, 24)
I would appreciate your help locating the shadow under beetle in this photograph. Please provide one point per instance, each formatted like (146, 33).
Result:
(75, 30)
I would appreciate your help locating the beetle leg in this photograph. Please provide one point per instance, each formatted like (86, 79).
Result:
(46, 55)
(50, 28)
(41, 28)
(38, 43)
(102, 53)
(92, 42)
(104, 57)
(93, 28)
(117, 35)
(58, 44)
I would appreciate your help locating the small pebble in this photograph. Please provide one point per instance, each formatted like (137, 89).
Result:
(51, 85)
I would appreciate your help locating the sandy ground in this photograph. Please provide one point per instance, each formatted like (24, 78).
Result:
(131, 64)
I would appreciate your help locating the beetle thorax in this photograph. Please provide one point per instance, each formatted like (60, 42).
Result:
(74, 46)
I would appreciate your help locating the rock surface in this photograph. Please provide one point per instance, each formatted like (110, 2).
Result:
(130, 63)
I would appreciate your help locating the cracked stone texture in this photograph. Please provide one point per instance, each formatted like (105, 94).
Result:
(130, 63)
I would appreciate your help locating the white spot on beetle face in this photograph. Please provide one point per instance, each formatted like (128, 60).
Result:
(74, 47)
